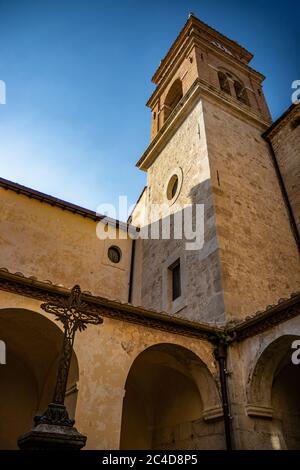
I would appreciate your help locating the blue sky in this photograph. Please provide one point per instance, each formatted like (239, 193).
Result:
(78, 75)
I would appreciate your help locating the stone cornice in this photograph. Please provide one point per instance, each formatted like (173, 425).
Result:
(274, 315)
(45, 291)
(282, 121)
(197, 90)
(184, 51)
(190, 26)
(259, 411)
(213, 414)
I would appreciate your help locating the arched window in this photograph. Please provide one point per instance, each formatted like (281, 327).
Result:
(173, 97)
(241, 93)
(224, 83)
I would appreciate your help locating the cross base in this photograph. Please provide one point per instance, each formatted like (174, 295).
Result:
(53, 431)
(55, 414)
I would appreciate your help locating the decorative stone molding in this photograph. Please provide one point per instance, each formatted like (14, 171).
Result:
(259, 411)
(177, 173)
(197, 32)
(282, 121)
(212, 414)
(48, 292)
(272, 316)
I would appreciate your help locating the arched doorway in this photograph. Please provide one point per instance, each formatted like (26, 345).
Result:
(275, 385)
(163, 405)
(33, 344)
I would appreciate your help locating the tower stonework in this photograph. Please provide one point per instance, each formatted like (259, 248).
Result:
(208, 117)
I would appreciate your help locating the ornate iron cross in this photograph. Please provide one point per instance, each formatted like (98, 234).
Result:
(74, 315)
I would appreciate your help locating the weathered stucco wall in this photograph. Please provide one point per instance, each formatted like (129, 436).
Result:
(52, 244)
(259, 257)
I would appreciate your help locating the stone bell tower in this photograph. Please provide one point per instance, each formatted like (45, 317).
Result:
(208, 117)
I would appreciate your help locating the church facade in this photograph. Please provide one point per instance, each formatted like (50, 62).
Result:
(196, 345)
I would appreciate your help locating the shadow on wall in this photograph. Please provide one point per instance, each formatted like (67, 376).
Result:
(201, 288)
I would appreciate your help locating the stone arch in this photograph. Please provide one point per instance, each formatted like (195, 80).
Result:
(273, 391)
(173, 97)
(224, 82)
(33, 344)
(230, 74)
(238, 88)
(267, 365)
(240, 92)
(171, 398)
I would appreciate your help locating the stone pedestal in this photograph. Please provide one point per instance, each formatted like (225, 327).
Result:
(53, 431)
(52, 437)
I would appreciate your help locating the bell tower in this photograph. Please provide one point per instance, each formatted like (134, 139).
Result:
(208, 116)
(200, 55)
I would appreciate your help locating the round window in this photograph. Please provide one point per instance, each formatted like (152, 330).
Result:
(172, 187)
(114, 254)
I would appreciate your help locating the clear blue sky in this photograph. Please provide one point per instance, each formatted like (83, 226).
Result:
(78, 77)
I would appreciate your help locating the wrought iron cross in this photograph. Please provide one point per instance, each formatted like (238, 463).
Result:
(74, 315)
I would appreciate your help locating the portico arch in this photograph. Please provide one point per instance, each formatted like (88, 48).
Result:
(33, 345)
(267, 365)
(170, 400)
(273, 392)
